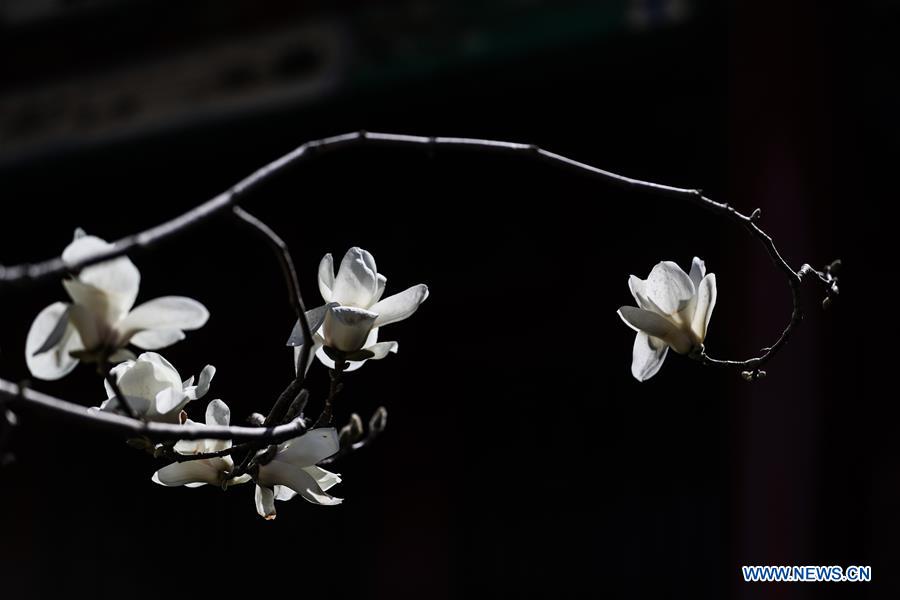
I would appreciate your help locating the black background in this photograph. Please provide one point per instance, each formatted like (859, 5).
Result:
(521, 458)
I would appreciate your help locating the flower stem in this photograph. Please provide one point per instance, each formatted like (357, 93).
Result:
(326, 416)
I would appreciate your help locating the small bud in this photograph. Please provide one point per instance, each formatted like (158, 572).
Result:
(760, 375)
(256, 420)
(747, 375)
(352, 431)
(378, 422)
(11, 419)
(826, 303)
(835, 267)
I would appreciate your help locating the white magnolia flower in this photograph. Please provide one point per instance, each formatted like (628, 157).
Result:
(673, 312)
(293, 471)
(153, 388)
(212, 471)
(100, 321)
(354, 312)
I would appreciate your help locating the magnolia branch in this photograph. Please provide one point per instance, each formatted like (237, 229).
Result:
(26, 274)
(159, 432)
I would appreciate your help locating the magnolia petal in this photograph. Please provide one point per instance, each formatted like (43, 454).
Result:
(156, 339)
(165, 313)
(706, 302)
(277, 472)
(325, 479)
(56, 362)
(91, 329)
(326, 277)
(206, 377)
(311, 447)
(169, 401)
(118, 278)
(195, 392)
(379, 287)
(647, 356)
(94, 307)
(400, 306)
(264, 497)
(698, 271)
(314, 318)
(656, 326)
(346, 328)
(356, 281)
(218, 413)
(318, 342)
(382, 349)
(669, 287)
(284, 493)
(194, 471)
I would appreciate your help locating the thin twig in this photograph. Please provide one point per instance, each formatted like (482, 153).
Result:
(283, 253)
(334, 389)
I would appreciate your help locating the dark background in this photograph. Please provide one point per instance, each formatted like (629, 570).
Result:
(521, 458)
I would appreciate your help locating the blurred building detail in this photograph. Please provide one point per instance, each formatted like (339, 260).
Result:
(94, 71)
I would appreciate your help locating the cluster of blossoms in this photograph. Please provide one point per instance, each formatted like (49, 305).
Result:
(100, 322)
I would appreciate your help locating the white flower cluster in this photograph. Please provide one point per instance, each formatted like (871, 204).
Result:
(100, 323)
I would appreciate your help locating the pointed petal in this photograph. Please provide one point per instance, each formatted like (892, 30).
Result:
(706, 302)
(206, 377)
(400, 306)
(698, 271)
(194, 471)
(669, 287)
(277, 472)
(379, 287)
(156, 339)
(325, 479)
(118, 278)
(313, 352)
(165, 313)
(356, 281)
(326, 277)
(647, 356)
(656, 326)
(283, 493)
(315, 317)
(382, 349)
(56, 362)
(55, 337)
(311, 447)
(96, 311)
(265, 502)
(89, 328)
(218, 413)
(168, 401)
